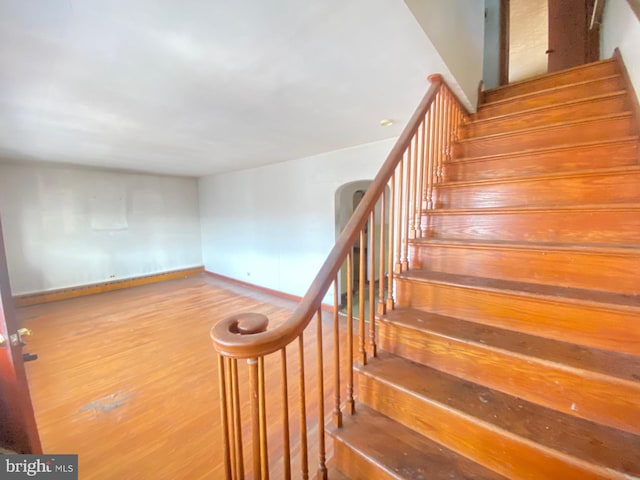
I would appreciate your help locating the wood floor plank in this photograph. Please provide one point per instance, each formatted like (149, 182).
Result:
(128, 379)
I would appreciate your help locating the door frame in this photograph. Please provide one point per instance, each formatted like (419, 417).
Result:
(19, 431)
(595, 9)
(504, 42)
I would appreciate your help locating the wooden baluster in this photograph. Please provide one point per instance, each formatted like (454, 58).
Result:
(405, 227)
(361, 303)
(350, 401)
(372, 282)
(222, 385)
(286, 442)
(237, 421)
(425, 174)
(411, 192)
(437, 141)
(262, 404)
(415, 188)
(231, 420)
(382, 307)
(322, 467)
(398, 244)
(432, 149)
(450, 115)
(337, 413)
(392, 193)
(255, 416)
(442, 127)
(304, 453)
(420, 174)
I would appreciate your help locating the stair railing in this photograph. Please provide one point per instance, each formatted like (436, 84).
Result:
(393, 211)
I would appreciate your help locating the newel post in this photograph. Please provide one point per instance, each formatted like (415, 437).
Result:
(243, 324)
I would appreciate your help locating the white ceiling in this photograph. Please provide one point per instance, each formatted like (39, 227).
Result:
(194, 87)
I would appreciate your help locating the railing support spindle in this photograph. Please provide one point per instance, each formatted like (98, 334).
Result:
(322, 467)
(350, 401)
(304, 454)
(262, 411)
(398, 244)
(392, 193)
(337, 413)
(286, 442)
(361, 303)
(222, 385)
(405, 226)
(237, 423)
(255, 416)
(382, 307)
(372, 283)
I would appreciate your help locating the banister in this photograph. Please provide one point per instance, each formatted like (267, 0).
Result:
(227, 337)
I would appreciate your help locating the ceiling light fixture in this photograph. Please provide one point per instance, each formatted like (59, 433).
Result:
(386, 122)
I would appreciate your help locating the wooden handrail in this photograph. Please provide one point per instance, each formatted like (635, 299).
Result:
(225, 334)
(378, 231)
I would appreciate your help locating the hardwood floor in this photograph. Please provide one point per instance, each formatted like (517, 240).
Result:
(128, 379)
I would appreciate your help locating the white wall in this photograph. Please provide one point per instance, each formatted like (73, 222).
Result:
(491, 62)
(621, 28)
(67, 226)
(274, 226)
(456, 29)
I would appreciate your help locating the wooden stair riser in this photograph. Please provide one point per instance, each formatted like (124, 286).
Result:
(599, 326)
(606, 270)
(545, 137)
(596, 397)
(552, 96)
(572, 226)
(594, 189)
(567, 77)
(543, 116)
(543, 162)
(355, 465)
(496, 449)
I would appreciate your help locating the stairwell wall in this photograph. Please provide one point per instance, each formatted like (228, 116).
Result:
(456, 30)
(621, 28)
(273, 226)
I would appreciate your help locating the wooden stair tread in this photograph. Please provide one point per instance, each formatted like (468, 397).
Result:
(587, 68)
(561, 208)
(401, 452)
(545, 91)
(594, 172)
(583, 66)
(524, 111)
(502, 244)
(567, 147)
(584, 440)
(619, 365)
(630, 302)
(525, 131)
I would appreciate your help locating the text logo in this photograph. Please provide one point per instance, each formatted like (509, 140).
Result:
(50, 467)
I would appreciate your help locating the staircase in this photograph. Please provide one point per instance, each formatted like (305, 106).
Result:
(513, 350)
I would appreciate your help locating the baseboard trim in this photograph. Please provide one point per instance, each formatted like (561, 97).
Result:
(276, 293)
(94, 288)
